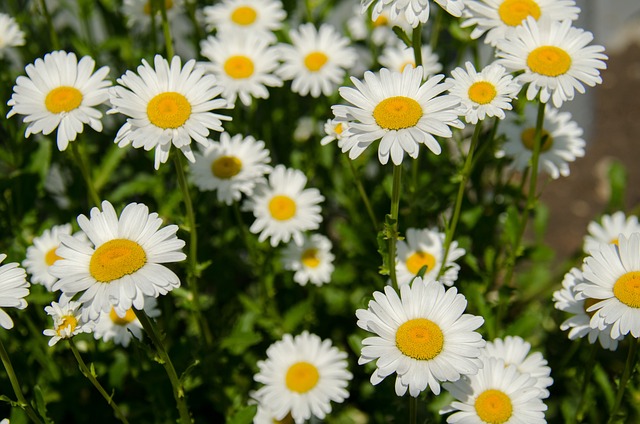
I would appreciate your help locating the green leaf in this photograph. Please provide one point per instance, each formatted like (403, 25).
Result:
(402, 36)
(237, 343)
(41, 405)
(108, 164)
(617, 183)
(294, 316)
(244, 415)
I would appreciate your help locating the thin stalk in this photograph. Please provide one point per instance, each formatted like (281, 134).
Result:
(413, 410)
(13, 378)
(53, 35)
(166, 29)
(87, 373)
(416, 42)
(245, 235)
(393, 231)
(588, 371)
(363, 195)
(86, 174)
(626, 374)
(435, 32)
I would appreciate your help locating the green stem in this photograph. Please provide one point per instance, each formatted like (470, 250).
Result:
(413, 410)
(416, 42)
(166, 30)
(588, 370)
(626, 374)
(13, 378)
(393, 231)
(87, 373)
(176, 384)
(55, 42)
(363, 194)
(86, 174)
(435, 33)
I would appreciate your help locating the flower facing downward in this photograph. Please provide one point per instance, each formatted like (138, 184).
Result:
(312, 261)
(67, 321)
(14, 287)
(607, 232)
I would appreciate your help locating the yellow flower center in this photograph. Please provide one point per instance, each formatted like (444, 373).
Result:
(68, 321)
(239, 67)
(627, 289)
(550, 61)
(169, 110)
(310, 258)
(404, 65)
(396, 113)
(315, 61)
(168, 4)
(244, 15)
(63, 99)
(128, 318)
(528, 138)
(282, 207)
(589, 302)
(493, 407)
(338, 128)
(418, 259)
(420, 339)
(50, 258)
(482, 92)
(513, 12)
(115, 259)
(381, 21)
(615, 241)
(302, 377)
(226, 167)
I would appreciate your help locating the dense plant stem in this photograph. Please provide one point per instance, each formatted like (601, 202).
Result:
(15, 384)
(363, 194)
(624, 379)
(393, 230)
(416, 42)
(87, 373)
(86, 174)
(413, 410)
(166, 29)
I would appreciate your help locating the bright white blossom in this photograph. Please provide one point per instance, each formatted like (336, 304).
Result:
(396, 57)
(244, 17)
(312, 261)
(122, 328)
(42, 254)
(67, 321)
(14, 287)
(10, 33)
(414, 11)
(609, 230)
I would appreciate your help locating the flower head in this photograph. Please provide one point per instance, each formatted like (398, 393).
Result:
(397, 57)
(42, 255)
(255, 17)
(122, 328)
(608, 231)
(312, 260)
(10, 33)
(67, 321)
(414, 11)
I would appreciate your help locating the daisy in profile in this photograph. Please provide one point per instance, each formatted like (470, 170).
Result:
(67, 321)
(171, 104)
(424, 248)
(421, 335)
(570, 300)
(121, 329)
(380, 31)
(487, 93)
(302, 375)
(60, 93)
(10, 33)
(562, 141)
(334, 131)
(42, 255)
(256, 17)
(312, 260)
(399, 110)
(497, 394)
(14, 287)
(396, 57)
(121, 262)
(497, 18)
(138, 12)
(316, 61)
(609, 230)
(283, 208)
(414, 11)
(231, 166)
(244, 66)
(554, 58)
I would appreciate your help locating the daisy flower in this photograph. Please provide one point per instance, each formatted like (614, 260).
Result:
(170, 104)
(121, 329)
(42, 254)
(316, 61)
(422, 335)
(612, 277)
(257, 17)
(14, 287)
(607, 232)
(283, 208)
(414, 11)
(138, 12)
(483, 94)
(231, 166)
(243, 66)
(60, 92)
(498, 393)
(381, 32)
(554, 58)
(398, 56)
(10, 33)
(301, 376)
(497, 18)
(334, 131)
(399, 110)
(562, 141)
(122, 261)
(67, 321)
(312, 260)
(570, 300)
(425, 247)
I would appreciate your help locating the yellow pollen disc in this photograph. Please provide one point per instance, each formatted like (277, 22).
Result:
(115, 259)
(528, 137)
(169, 110)
(244, 15)
(282, 207)
(128, 318)
(239, 67)
(493, 407)
(310, 258)
(589, 302)
(168, 4)
(315, 61)
(627, 289)
(338, 128)
(513, 12)
(396, 113)
(615, 241)
(550, 61)
(67, 321)
(482, 92)
(50, 258)
(420, 339)
(226, 167)
(380, 21)
(302, 377)
(417, 260)
(63, 99)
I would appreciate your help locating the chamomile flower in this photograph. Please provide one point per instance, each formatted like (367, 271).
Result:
(414, 11)
(283, 208)
(570, 300)
(562, 141)
(301, 376)
(422, 335)
(67, 321)
(171, 104)
(399, 110)
(257, 17)
(312, 260)
(396, 57)
(334, 130)
(231, 166)
(425, 247)
(381, 33)
(60, 92)
(14, 287)
(483, 94)
(607, 232)
(122, 261)
(121, 329)
(138, 12)
(498, 393)
(497, 18)
(554, 57)
(10, 33)
(243, 66)
(316, 61)
(42, 255)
